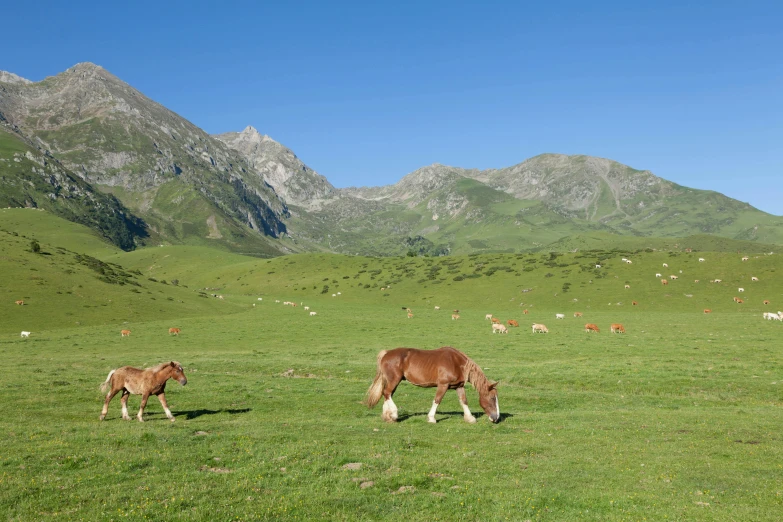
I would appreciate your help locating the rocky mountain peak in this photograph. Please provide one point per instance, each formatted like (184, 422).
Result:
(9, 77)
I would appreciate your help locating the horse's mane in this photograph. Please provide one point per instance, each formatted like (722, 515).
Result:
(162, 365)
(476, 376)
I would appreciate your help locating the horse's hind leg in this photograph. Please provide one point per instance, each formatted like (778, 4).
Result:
(109, 397)
(124, 401)
(162, 399)
(144, 398)
(442, 388)
(389, 408)
(463, 400)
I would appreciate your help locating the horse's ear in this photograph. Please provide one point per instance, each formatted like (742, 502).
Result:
(493, 385)
(173, 364)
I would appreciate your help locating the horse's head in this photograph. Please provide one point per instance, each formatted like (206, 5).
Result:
(177, 373)
(489, 402)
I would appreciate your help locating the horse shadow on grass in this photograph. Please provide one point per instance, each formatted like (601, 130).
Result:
(194, 414)
(450, 415)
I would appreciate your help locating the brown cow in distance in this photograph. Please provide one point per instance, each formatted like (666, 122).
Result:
(707, 311)
(634, 303)
(124, 333)
(766, 302)
(20, 303)
(495, 320)
(617, 328)
(525, 312)
(577, 314)
(512, 322)
(590, 327)
(174, 331)
(664, 282)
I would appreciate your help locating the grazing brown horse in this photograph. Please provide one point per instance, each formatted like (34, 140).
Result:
(174, 331)
(146, 382)
(125, 333)
(445, 368)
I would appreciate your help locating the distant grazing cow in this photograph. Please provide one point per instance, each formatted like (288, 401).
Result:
(410, 315)
(695, 280)
(590, 327)
(740, 301)
(488, 317)
(766, 302)
(313, 313)
(540, 328)
(658, 275)
(577, 314)
(174, 331)
(627, 287)
(673, 277)
(745, 258)
(20, 303)
(754, 278)
(707, 311)
(701, 260)
(277, 300)
(665, 265)
(559, 316)
(499, 328)
(512, 322)
(334, 295)
(634, 303)
(495, 320)
(598, 266)
(454, 317)
(769, 315)
(525, 311)
(260, 298)
(437, 308)
(629, 262)
(617, 328)
(740, 289)
(717, 280)
(124, 333)
(306, 308)
(25, 334)
(664, 282)
(220, 297)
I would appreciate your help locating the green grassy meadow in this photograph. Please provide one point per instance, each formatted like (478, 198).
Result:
(678, 419)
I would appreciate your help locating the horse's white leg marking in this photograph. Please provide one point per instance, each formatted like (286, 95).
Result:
(162, 399)
(497, 406)
(431, 414)
(389, 410)
(468, 416)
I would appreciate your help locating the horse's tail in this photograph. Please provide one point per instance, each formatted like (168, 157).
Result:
(105, 384)
(378, 384)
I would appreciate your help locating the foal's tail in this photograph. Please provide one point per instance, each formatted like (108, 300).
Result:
(105, 384)
(376, 388)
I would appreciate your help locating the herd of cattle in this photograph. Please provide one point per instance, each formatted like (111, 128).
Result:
(499, 327)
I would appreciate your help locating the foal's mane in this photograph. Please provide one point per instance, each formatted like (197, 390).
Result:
(475, 376)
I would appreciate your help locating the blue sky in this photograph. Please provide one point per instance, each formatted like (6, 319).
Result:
(366, 92)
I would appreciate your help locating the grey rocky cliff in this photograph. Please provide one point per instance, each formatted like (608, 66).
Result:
(294, 181)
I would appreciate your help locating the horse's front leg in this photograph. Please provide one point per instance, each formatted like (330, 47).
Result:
(124, 401)
(109, 397)
(463, 400)
(442, 388)
(162, 399)
(144, 398)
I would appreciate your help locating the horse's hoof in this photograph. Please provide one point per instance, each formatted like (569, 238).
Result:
(431, 420)
(103, 417)
(470, 420)
(126, 418)
(140, 419)
(172, 419)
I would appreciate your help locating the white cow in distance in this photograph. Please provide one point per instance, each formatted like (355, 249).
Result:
(559, 316)
(26, 334)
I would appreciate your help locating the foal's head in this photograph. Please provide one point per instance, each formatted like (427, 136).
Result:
(489, 402)
(177, 373)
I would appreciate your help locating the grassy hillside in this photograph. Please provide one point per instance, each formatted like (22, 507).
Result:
(66, 285)
(677, 419)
